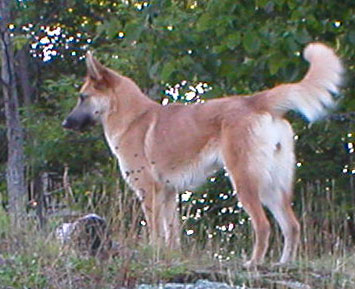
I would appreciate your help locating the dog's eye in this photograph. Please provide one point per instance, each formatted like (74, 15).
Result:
(83, 96)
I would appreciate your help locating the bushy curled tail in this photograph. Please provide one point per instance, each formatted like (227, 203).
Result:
(313, 95)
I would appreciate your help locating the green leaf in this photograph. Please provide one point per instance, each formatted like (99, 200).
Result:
(303, 37)
(133, 31)
(292, 4)
(110, 27)
(100, 29)
(291, 44)
(204, 23)
(274, 63)
(227, 68)
(219, 48)
(168, 69)
(351, 36)
(251, 42)
(261, 3)
(186, 60)
(153, 70)
(213, 93)
(233, 40)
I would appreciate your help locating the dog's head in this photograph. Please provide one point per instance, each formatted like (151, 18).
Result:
(94, 98)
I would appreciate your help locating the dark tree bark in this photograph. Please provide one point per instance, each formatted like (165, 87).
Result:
(40, 190)
(15, 176)
(23, 74)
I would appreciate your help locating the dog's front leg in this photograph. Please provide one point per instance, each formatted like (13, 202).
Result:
(152, 204)
(171, 220)
(160, 209)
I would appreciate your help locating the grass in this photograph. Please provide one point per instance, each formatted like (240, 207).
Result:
(33, 258)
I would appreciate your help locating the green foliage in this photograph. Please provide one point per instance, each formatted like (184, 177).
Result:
(23, 271)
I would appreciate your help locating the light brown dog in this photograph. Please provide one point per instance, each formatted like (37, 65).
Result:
(166, 149)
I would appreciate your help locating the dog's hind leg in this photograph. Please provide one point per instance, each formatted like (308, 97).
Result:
(277, 188)
(247, 188)
(290, 227)
(248, 196)
(245, 174)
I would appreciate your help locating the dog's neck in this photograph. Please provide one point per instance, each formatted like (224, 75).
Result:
(127, 104)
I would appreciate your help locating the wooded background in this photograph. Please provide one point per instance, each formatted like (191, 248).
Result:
(177, 51)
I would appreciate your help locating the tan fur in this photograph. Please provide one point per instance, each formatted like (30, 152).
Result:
(165, 149)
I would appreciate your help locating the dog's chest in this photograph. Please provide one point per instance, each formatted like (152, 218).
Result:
(131, 160)
(113, 143)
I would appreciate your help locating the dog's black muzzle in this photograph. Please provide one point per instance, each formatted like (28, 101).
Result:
(68, 123)
(78, 123)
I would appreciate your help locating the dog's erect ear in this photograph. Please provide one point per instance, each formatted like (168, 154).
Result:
(94, 68)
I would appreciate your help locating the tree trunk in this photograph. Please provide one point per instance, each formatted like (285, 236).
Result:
(40, 190)
(15, 162)
(24, 76)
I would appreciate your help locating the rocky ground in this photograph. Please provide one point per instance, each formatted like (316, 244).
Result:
(200, 284)
(205, 284)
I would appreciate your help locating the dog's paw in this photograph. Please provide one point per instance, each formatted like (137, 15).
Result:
(250, 265)
(289, 265)
(279, 264)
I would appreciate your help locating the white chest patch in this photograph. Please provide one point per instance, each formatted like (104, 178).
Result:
(112, 142)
